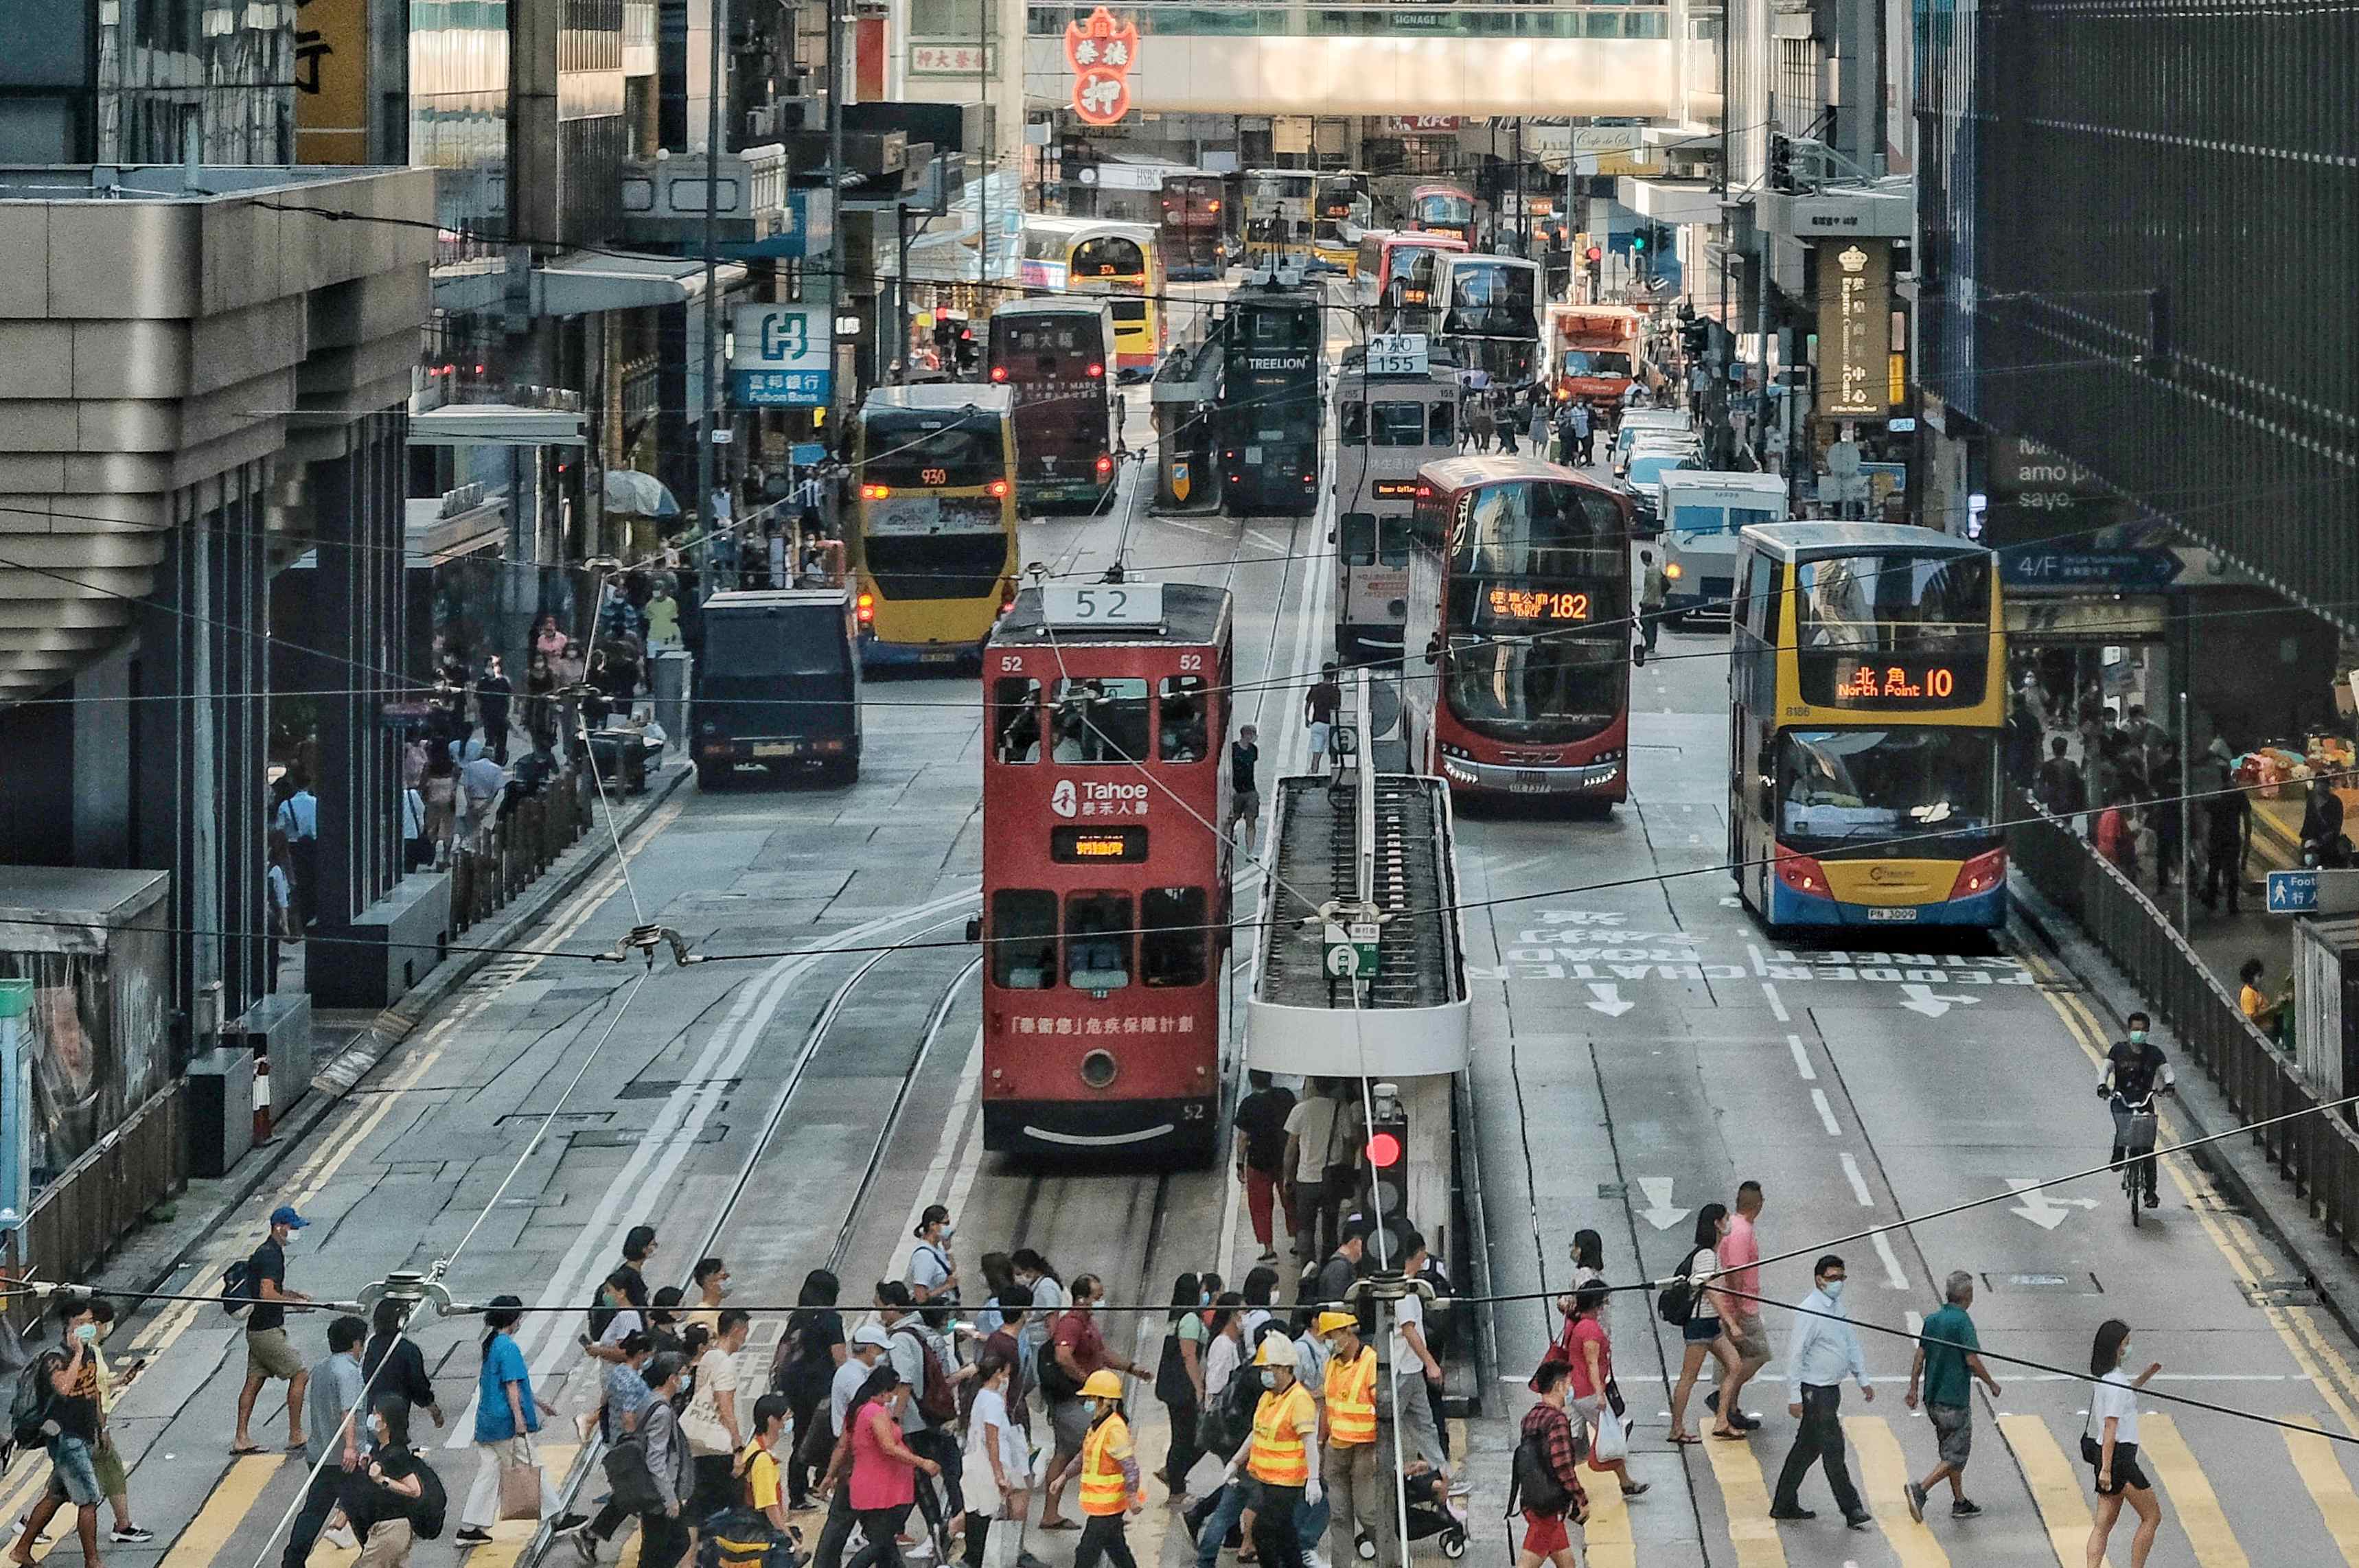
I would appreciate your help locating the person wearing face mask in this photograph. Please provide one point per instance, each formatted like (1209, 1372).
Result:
(113, 1478)
(1824, 1349)
(709, 1280)
(394, 1500)
(1109, 1486)
(932, 1274)
(1281, 1454)
(339, 1440)
(70, 1429)
(2109, 1444)
(2134, 1070)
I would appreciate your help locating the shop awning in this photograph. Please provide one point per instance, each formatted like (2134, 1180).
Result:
(580, 283)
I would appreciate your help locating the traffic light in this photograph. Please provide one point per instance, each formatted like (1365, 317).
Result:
(1638, 241)
(1383, 1181)
(1594, 255)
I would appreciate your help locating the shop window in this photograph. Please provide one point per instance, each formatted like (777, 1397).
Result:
(1097, 942)
(1101, 719)
(1172, 938)
(1184, 700)
(1023, 939)
(1015, 718)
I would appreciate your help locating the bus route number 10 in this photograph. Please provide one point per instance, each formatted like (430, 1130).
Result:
(1103, 605)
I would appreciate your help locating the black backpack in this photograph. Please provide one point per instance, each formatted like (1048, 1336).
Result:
(1533, 1486)
(426, 1512)
(29, 1408)
(1055, 1382)
(238, 1290)
(1676, 1302)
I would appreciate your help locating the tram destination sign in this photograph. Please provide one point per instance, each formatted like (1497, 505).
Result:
(1087, 607)
(1398, 354)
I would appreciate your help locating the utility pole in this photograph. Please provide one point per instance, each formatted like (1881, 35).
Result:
(836, 291)
(708, 424)
(983, 14)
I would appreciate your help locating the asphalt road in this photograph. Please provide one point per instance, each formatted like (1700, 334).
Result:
(1640, 1048)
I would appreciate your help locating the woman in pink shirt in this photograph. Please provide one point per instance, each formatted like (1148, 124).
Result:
(1586, 1346)
(883, 1479)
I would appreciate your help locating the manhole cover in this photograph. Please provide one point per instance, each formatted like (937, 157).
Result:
(1607, 1189)
(2281, 1293)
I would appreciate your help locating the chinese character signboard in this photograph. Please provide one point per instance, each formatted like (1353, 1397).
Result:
(780, 355)
(1854, 328)
(1102, 52)
(946, 59)
(331, 39)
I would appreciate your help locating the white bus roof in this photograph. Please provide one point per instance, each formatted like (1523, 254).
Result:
(944, 398)
(1734, 483)
(1078, 227)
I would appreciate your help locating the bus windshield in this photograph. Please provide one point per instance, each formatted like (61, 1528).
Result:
(1839, 788)
(1444, 208)
(1536, 530)
(1109, 256)
(931, 451)
(1483, 290)
(1545, 689)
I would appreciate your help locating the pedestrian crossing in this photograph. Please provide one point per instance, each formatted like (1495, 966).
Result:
(2231, 1498)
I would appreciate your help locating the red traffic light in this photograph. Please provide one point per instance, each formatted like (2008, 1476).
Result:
(1384, 1149)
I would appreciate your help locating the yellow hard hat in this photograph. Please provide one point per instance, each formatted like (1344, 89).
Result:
(1329, 1321)
(1276, 1351)
(1102, 1385)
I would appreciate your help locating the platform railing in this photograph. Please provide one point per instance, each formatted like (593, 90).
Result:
(2316, 1154)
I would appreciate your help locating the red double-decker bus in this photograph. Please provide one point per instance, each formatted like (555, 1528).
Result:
(1105, 872)
(1055, 356)
(1519, 679)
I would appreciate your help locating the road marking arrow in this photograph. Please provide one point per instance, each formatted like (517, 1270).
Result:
(1921, 999)
(1658, 1211)
(2037, 1206)
(1608, 999)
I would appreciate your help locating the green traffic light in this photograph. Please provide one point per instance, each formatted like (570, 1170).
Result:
(1637, 242)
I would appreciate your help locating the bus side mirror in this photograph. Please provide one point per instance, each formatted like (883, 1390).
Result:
(975, 928)
(1768, 787)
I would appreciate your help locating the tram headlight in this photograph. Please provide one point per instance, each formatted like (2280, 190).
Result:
(1098, 1069)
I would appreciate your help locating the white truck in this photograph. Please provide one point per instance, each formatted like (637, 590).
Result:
(1701, 512)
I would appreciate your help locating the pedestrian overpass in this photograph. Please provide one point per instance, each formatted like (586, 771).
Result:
(1365, 57)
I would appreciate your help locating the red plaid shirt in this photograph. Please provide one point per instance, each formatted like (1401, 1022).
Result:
(1554, 1427)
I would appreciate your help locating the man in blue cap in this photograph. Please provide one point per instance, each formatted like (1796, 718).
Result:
(268, 1354)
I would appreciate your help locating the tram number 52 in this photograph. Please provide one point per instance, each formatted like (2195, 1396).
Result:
(1104, 605)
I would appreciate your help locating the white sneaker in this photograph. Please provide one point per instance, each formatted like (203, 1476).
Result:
(1314, 1560)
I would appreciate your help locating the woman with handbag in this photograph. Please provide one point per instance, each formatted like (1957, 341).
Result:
(883, 1483)
(1588, 1354)
(1179, 1382)
(1702, 1328)
(509, 1481)
(2109, 1444)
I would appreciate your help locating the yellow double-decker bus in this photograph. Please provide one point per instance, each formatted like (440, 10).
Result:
(1866, 694)
(933, 521)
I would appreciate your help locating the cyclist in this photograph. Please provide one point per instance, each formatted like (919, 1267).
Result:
(2134, 1070)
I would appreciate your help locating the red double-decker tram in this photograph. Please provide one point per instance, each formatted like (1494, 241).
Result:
(1105, 873)
(1518, 631)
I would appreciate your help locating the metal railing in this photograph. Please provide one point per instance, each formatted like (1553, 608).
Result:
(100, 1198)
(484, 877)
(2318, 1155)
(1179, 18)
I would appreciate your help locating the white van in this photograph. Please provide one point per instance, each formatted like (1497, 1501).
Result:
(1701, 512)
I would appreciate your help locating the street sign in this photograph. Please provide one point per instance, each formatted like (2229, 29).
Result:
(782, 356)
(2119, 570)
(2334, 892)
(1352, 949)
(1398, 354)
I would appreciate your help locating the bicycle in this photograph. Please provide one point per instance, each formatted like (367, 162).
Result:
(2134, 1129)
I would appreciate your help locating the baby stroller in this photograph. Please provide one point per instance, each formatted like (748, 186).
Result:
(1431, 1517)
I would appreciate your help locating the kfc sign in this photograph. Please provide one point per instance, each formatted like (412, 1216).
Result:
(1102, 52)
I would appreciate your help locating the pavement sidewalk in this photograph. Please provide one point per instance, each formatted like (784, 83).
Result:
(348, 1046)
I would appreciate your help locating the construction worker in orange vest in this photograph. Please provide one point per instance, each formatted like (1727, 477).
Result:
(1110, 1488)
(1347, 1440)
(1281, 1455)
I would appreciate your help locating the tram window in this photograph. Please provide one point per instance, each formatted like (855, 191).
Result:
(1397, 424)
(1352, 423)
(1097, 940)
(1181, 721)
(1015, 718)
(1355, 539)
(1438, 433)
(1023, 939)
(1392, 541)
(1101, 719)
(1171, 936)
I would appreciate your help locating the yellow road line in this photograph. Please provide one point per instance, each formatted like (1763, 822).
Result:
(2055, 1483)
(2191, 1497)
(2329, 1488)
(1884, 1474)
(1747, 1497)
(225, 1508)
(1606, 1539)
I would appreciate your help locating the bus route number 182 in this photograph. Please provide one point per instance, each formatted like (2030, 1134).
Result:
(1103, 605)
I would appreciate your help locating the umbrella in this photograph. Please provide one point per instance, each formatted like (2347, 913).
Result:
(642, 494)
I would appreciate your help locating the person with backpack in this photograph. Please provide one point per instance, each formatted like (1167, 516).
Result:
(809, 1352)
(339, 1437)
(394, 1500)
(931, 1380)
(933, 1269)
(56, 1406)
(1692, 1307)
(1179, 1379)
(757, 1468)
(1548, 1476)
(257, 1291)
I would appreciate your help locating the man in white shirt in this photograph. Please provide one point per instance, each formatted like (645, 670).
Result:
(1414, 1364)
(1822, 1351)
